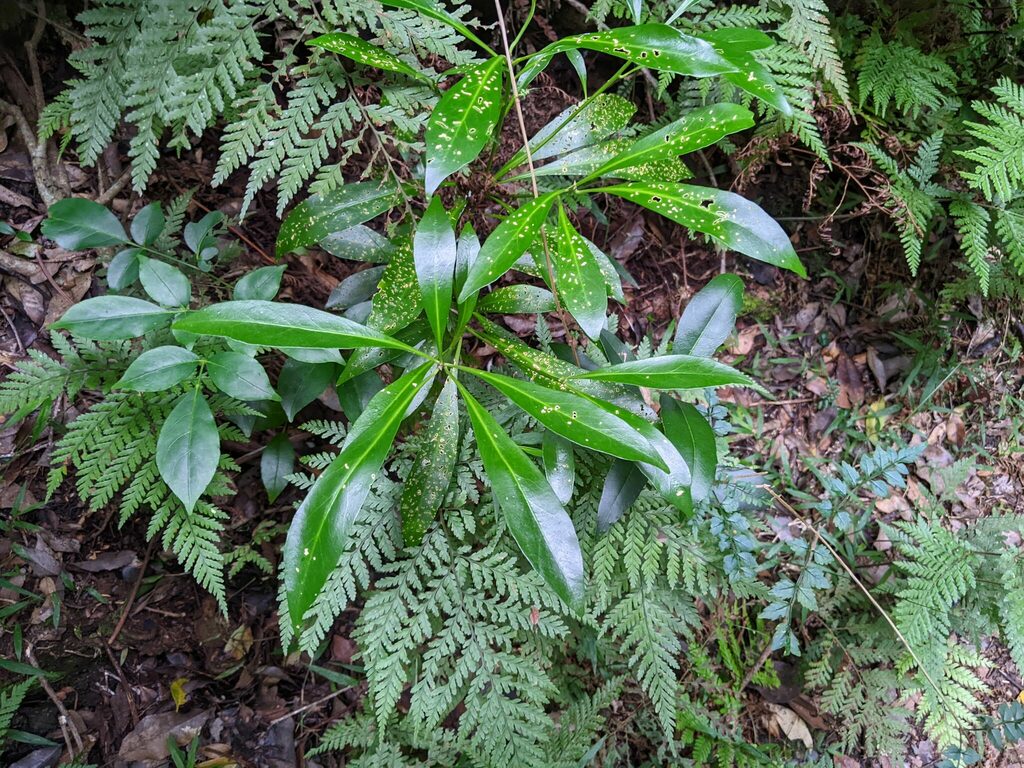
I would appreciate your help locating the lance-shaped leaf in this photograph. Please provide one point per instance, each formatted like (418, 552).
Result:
(729, 218)
(240, 376)
(559, 465)
(579, 280)
(359, 243)
(320, 529)
(463, 122)
(656, 46)
(693, 436)
(709, 317)
(697, 129)
(507, 243)
(735, 46)
(159, 369)
(431, 472)
(108, 318)
(622, 486)
(274, 324)
(671, 372)
(357, 49)
(188, 448)
(276, 463)
(432, 10)
(518, 299)
(534, 515)
(318, 216)
(434, 254)
(575, 418)
(467, 250)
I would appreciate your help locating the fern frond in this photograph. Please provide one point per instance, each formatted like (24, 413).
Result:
(972, 221)
(1000, 154)
(809, 30)
(894, 73)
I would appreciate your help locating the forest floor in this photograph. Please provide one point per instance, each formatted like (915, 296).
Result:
(134, 650)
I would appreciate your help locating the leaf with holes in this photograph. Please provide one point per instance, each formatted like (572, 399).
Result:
(188, 448)
(463, 122)
(275, 324)
(431, 472)
(434, 255)
(693, 436)
(319, 216)
(357, 49)
(671, 372)
(729, 218)
(709, 317)
(158, 369)
(697, 129)
(507, 243)
(579, 280)
(319, 531)
(736, 46)
(534, 515)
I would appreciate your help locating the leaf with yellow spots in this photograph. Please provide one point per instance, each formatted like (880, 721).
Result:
(360, 51)
(319, 531)
(397, 301)
(695, 130)
(318, 216)
(534, 515)
(579, 280)
(431, 472)
(575, 418)
(463, 122)
(520, 298)
(510, 240)
(735, 45)
(729, 218)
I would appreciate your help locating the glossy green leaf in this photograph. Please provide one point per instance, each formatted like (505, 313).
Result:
(709, 317)
(671, 372)
(159, 369)
(276, 463)
(123, 269)
(579, 280)
(300, 383)
(693, 436)
(108, 318)
(261, 284)
(240, 376)
(535, 517)
(731, 219)
(77, 224)
(359, 243)
(431, 9)
(463, 122)
(735, 46)
(355, 289)
(398, 301)
(609, 272)
(318, 216)
(656, 46)
(320, 529)
(507, 243)
(622, 486)
(431, 472)
(275, 324)
(466, 252)
(188, 448)
(559, 465)
(697, 129)
(574, 417)
(148, 224)
(434, 254)
(357, 49)
(165, 284)
(518, 299)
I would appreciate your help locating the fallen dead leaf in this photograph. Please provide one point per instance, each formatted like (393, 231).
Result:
(790, 724)
(851, 387)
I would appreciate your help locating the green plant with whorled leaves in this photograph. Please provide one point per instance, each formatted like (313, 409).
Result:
(431, 305)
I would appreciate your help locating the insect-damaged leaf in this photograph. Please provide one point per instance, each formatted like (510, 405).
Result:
(431, 472)
(736, 45)
(729, 218)
(434, 255)
(359, 50)
(535, 516)
(507, 243)
(463, 121)
(318, 216)
(320, 528)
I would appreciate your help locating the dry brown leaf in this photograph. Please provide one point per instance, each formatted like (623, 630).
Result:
(791, 725)
(851, 387)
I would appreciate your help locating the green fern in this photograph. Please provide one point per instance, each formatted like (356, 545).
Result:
(808, 29)
(999, 157)
(894, 73)
(10, 700)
